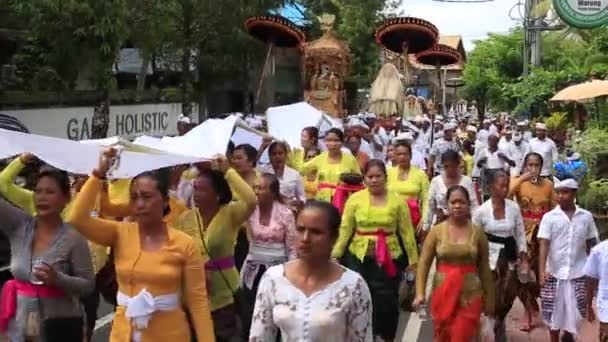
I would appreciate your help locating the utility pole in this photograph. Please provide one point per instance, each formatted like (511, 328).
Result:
(526, 24)
(533, 39)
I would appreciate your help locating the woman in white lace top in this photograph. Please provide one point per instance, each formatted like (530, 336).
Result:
(437, 207)
(313, 298)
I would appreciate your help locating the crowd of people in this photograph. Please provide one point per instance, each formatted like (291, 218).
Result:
(327, 241)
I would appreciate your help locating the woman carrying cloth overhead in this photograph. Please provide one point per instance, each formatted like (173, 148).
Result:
(214, 225)
(155, 264)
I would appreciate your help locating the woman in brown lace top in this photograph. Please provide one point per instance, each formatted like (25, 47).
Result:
(463, 286)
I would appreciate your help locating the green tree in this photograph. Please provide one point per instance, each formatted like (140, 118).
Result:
(64, 33)
(493, 62)
(147, 32)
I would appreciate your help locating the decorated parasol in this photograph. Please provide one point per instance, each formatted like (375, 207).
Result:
(439, 56)
(275, 31)
(406, 35)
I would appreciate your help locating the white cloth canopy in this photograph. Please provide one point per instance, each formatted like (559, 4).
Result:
(203, 142)
(286, 122)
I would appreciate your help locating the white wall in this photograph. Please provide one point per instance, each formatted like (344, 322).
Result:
(127, 121)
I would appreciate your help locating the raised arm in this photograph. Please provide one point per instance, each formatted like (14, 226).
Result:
(81, 281)
(103, 232)
(406, 233)
(110, 209)
(11, 217)
(18, 196)
(196, 294)
(244, 207)
(311, 165)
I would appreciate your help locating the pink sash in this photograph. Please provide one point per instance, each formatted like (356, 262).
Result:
(14, 287)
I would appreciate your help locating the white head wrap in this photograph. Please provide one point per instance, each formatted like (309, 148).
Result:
(184, 119)
(449, 126)
(565, 184)
(405, 136)
(540, 125)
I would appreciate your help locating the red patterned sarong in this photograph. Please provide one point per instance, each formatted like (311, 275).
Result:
(453, 321)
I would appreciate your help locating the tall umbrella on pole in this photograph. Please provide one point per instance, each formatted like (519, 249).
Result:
(407, 35)
(275, 31)
(439, 56)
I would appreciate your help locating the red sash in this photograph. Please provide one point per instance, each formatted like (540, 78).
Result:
(412, 203)
(383, 254)
(341, 193)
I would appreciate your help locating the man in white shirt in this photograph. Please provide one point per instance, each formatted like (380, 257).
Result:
(485, 126)
(506, 140)
(417, 157)
(446, 143)
(492, 159)
(517, 153)
(596, 270)
(566, 235)
(522, 127)
(546, 148)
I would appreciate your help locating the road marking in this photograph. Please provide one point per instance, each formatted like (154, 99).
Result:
(103, 321)
(412, 328)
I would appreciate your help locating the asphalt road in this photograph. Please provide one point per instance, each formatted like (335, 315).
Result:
(105, 313)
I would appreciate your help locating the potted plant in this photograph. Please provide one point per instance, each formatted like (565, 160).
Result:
(594, 197)
(592, 145)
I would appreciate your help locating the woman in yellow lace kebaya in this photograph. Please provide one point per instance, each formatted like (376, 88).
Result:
(155, 264)
(214, 224)
(534, 194)
(463, 286)
(382, 244)
(244, 161)
(409, 182)
(331, 165)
